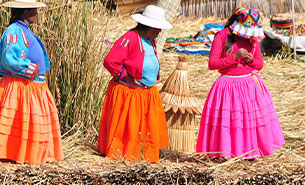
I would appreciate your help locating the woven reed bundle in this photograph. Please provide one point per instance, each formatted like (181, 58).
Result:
(180, 108)
(170, 7)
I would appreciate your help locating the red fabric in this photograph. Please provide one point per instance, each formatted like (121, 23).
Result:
(226, 64)
(127, 56)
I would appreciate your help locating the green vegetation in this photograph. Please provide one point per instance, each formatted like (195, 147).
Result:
(76, 79)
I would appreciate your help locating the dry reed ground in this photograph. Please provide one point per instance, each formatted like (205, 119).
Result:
(286, 82)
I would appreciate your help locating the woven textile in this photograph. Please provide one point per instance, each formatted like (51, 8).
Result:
(248, 23)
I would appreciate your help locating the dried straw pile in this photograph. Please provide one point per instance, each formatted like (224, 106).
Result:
(196, 169)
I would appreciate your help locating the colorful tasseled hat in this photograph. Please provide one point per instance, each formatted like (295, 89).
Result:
(248, 23)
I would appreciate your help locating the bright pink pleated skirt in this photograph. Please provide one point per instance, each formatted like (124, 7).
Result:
(239, 119)
(29, 126)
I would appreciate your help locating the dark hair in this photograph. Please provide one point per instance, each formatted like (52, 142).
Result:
(231, 20)
(141, 27)
(16, 14)
(230, 38)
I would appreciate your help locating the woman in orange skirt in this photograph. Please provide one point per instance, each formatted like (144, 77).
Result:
(29, 126)
(133, 124)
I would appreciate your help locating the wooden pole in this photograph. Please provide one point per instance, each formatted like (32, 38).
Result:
(270, 8)
(293, 27)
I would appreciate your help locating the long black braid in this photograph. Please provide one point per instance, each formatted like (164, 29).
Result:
(140, 27)
(16, 14)
(231, 39)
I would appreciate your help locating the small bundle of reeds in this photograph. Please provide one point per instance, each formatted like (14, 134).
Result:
(180, 108)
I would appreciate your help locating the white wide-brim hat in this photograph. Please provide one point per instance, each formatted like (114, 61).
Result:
(152, 16)
(24, 4)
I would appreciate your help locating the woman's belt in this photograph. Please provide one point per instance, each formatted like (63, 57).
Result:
(40, 78)
(122, 81)
(238, 76)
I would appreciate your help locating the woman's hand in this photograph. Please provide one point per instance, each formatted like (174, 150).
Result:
(115, 75)
(245, 55)
(241, 53)
(248, 59)
(36, 73)
(131, 80)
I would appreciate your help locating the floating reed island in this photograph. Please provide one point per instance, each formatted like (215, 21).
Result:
(78, 80)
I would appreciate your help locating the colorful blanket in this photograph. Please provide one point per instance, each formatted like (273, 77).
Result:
(188, 45)
(299, 31)
(199, 44)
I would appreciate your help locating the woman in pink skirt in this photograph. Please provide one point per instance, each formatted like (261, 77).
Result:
(239, 117)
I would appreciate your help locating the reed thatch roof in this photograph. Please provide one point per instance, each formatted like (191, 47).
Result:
(130, 6)
(216, 8)
(224, 8)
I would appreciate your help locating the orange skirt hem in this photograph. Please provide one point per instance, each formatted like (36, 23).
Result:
(133, 124)
(29, 126)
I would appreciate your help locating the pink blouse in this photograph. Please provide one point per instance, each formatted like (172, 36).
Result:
(225, 63)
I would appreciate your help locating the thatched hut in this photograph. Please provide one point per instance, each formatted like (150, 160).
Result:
(126, 7)
(217, 8)
(224, 8)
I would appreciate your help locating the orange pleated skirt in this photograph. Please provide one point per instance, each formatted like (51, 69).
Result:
(133, 124)
(29, 126)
